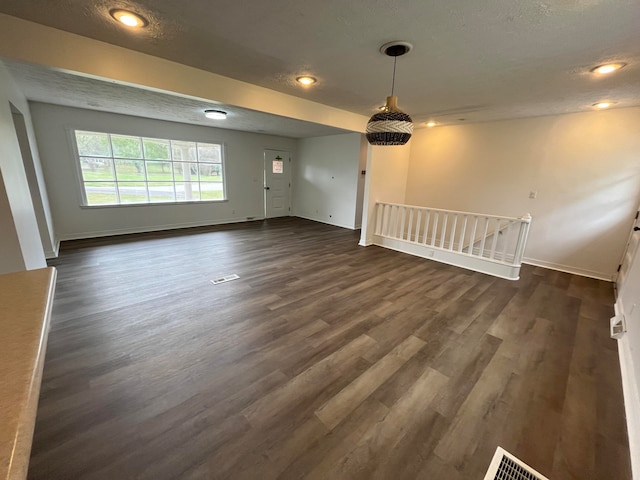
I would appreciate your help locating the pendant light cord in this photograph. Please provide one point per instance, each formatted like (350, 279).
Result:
(393, 81)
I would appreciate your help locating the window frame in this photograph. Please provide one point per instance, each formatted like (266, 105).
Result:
(82, 194)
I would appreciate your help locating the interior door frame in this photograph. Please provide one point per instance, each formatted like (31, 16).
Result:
(286, 156)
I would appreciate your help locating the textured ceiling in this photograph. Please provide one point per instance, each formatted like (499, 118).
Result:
(474, 59)
(41, 84)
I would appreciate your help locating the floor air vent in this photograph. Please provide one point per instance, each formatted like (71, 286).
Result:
(227, 278)
(505, 466)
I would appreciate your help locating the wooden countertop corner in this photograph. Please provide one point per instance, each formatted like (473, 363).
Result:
(25, 310)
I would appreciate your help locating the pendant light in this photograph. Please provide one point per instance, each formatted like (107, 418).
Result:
(391, 126)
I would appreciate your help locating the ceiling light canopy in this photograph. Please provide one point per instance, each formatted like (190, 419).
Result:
(603, 105)
(391, 126)
(128, 18)
(431, 123)
(607, 68)
(306, 80)
(215, 114)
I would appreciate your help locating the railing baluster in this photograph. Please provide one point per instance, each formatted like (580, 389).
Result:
(379, 209)
(410, 224)
(461, 239)
(426, 227)
(496, 233)
(394, 232)
(385, 220)
(472, 238)
(507, 240)
(403, 217)
(452, 237)
(434, 232)
(484, 237)
(417, 235)
(444, 229)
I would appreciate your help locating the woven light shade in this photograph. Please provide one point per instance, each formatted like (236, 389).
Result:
(390, 127)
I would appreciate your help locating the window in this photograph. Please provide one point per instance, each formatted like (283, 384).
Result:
(125, 170)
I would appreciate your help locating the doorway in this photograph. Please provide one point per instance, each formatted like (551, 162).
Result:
(277, 183)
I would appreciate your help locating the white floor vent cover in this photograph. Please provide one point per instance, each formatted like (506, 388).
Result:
(505, 466)
(227, 278)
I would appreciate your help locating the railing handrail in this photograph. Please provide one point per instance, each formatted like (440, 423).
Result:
(525, 218)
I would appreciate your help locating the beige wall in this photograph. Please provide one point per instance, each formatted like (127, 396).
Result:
(585, 168)
(386, 180)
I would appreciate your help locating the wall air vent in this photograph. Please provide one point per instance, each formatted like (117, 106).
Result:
(505, 466)
(224, 279)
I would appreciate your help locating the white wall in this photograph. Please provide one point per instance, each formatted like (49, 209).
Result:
(386, 181)
(325, 179)
(244, 164)
(584, 167)
(20, 245)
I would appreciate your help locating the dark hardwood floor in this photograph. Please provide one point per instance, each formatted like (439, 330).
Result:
(325, 360)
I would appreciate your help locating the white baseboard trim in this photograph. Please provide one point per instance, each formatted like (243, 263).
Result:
(631, 391)
(152, 228)
(49, 254)
(350, 227)
(568, 269)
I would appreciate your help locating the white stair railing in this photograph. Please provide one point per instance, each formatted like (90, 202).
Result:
(485, 243)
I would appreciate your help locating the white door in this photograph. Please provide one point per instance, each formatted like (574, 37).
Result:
(277, 183)
(629, 254)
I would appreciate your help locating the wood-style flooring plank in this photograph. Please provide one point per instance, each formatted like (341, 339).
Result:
(323, 360)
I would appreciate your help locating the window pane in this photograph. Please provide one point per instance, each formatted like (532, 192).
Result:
(156, 149)
(186, 171)
(124, 169)
(278, 166)
(129, 170)
(211, 191)
(92, 144)
(161, 192)
(159, 171)
(208, 152)
(183, 151)
(132, 192)
(187, 191)
(101, 193)
(97, 169)
(126, 147)
(211, 172)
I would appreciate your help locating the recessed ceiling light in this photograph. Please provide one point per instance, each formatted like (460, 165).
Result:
(306, 80)
(128, 18)
(431, 123)
(607, 68)
(215, 114)
(603, 105)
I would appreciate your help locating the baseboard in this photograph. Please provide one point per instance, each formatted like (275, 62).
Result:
(49, 254)
(631, 391)
(152, 228)
(350, 227)
(568, 269)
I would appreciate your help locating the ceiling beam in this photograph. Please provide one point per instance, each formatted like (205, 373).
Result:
(34, 43)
